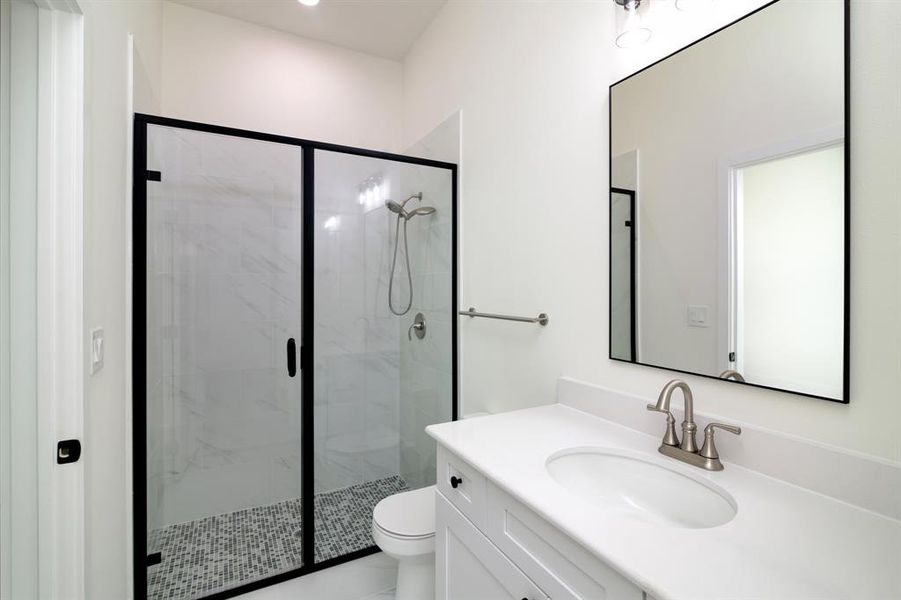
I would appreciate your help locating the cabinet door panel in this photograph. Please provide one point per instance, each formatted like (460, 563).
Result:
(557, 563)
(470, 567)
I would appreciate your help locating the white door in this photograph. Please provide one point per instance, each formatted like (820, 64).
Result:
(470, 567)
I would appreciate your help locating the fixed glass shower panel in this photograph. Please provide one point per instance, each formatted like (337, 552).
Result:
(224, 232)
(382, 371)
(623, 344)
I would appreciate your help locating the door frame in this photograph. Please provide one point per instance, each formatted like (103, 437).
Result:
(139, 337)
(55, 261)
(730, 337)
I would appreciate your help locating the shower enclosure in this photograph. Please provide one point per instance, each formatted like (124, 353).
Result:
(277, 395)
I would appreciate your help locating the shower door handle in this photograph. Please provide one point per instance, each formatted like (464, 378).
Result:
(292, 357)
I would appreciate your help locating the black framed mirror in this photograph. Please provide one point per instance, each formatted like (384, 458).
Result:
(729, 204)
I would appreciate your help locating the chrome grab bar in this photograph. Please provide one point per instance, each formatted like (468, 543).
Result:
(541, 319)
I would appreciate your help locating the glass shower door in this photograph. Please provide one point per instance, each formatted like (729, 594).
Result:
(223, 397)
(378, 379)
(623, 343)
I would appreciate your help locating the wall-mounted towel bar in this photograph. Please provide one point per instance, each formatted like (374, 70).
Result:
(541, 319)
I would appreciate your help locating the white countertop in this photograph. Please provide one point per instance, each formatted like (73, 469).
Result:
(785, 542)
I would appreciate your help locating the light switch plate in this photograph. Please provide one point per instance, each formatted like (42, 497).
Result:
(697, 315)
(96, 349)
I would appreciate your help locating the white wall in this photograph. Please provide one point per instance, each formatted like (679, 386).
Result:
(107, 194)
(532, 80)
(229, 72)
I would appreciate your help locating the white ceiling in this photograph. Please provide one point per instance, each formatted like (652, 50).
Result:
(385, 28)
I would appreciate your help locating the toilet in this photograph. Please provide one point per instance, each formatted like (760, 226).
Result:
(403, 526)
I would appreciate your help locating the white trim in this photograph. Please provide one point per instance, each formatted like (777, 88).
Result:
(637, 223)
(60, 226)
(6, 492)
(729, 327)
(129, 317)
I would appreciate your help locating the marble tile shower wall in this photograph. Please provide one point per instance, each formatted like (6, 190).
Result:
(224, 277)
(356, 337)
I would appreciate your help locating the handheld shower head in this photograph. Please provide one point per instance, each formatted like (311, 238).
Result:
(395, 208)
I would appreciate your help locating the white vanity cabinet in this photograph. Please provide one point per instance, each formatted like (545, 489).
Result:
(489, 546)
(470, 567)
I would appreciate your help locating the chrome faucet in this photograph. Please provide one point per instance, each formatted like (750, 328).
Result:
(732, 374)
(687, 450)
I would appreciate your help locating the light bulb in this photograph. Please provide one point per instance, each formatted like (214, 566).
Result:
(633, 33)
(309, 2)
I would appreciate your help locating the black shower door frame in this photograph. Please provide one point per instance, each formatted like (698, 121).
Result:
(140, 177)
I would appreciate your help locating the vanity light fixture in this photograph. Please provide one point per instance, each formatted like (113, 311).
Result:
(309, 2)
(632, 32)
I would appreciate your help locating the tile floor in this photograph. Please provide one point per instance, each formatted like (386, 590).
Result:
(216, 553)
(370, 578)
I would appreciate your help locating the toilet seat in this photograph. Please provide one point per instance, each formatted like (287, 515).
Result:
(408, 515)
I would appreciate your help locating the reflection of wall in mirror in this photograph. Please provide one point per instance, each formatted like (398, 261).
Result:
(791, 273)
(736, 91)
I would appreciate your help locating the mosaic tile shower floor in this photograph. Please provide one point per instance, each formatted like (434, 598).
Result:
(217, 553)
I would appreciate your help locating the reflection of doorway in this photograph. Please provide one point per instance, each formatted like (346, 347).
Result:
(622, 274)
(786, 268)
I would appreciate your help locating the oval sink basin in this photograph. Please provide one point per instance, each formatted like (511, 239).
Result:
(635, 487)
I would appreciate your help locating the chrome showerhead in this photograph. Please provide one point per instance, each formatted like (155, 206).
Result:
(422, 210)
(395, 208)
(399, 209)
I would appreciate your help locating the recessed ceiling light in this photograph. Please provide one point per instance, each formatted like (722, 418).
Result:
(309, 2)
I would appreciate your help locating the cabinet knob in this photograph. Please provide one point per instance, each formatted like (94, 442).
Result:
(456, 481)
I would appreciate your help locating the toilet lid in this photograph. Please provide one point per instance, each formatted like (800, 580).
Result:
(408, 514)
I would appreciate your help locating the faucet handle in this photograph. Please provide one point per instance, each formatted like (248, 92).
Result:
(709, 448)
(669, 438)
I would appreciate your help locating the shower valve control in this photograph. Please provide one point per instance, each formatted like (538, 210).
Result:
(417, 328)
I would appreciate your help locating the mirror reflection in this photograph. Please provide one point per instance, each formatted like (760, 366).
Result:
(728, 205)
